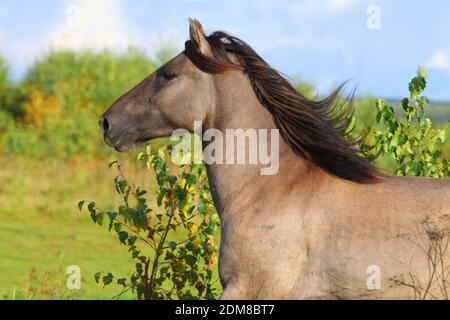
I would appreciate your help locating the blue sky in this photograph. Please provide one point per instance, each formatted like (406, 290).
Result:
(323, 41)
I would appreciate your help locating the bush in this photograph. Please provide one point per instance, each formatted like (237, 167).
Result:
(413, 146)
(173, 244)
(57, 105)
(4, 82)
(94, 78)
(11, 95)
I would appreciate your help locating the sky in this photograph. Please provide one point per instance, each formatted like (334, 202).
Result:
(376, 44)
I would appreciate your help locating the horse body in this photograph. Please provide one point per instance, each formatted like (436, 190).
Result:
(303, 234)
(319, 243)
(318, 228)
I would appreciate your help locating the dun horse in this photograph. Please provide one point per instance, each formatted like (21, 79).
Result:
(327, 225)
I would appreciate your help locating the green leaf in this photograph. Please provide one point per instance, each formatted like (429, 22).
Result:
(81, 204)
(162, 154)
(191, 260)
(172, 245)
(122, 282)
(132, 240)
(91, 207)
(160, 198)
(405, 105)
(164, 270)
(94, 217)
(442, 135)
(422, 72)
(113, 163)
(123, 236)
(99, 218)
(140, 289)
(97, 277)
(139, 268)
(121, 186)
(112, 217)
(118, 227)
(150, 161)
(108, 279)
(140, 192)
(135, 253)
(417, 85)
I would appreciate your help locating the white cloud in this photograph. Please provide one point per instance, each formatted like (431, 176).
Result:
(308, 7)
(303, 14)
(339, 5)
(93, 24)
(100, 24)
(438, 61)
(84, 25)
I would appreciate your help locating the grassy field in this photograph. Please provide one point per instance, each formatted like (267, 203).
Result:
(42, 232)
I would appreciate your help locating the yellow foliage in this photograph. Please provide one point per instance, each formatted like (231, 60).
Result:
(192, 227)
(211, 263)
(39, 106)
(196, 242)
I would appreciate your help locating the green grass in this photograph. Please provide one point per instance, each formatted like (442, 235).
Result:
(36, 251)
(42, 232)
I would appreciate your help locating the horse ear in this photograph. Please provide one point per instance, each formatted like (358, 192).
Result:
(198, 36)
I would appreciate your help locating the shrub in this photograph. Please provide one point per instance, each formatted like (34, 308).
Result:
(94, 78)
(4, 82)
(173, 244)
(413, 146)
(57, 105)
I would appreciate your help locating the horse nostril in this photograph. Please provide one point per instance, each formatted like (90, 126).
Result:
(104, 125)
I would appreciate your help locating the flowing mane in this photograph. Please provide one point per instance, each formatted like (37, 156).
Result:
(314, 130)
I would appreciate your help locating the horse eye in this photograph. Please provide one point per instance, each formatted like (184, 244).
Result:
(169, 75)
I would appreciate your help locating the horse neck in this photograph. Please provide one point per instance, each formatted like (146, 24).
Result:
(232, 185)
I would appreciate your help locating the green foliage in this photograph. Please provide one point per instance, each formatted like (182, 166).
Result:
(413, 143)
(306, 89)
(10, 94)
(56, 106)
(6, 124)
(88, 80)
(4, 82)
(165, 267)
(6, 97)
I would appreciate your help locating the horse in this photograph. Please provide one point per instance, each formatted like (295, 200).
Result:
(328, 225)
